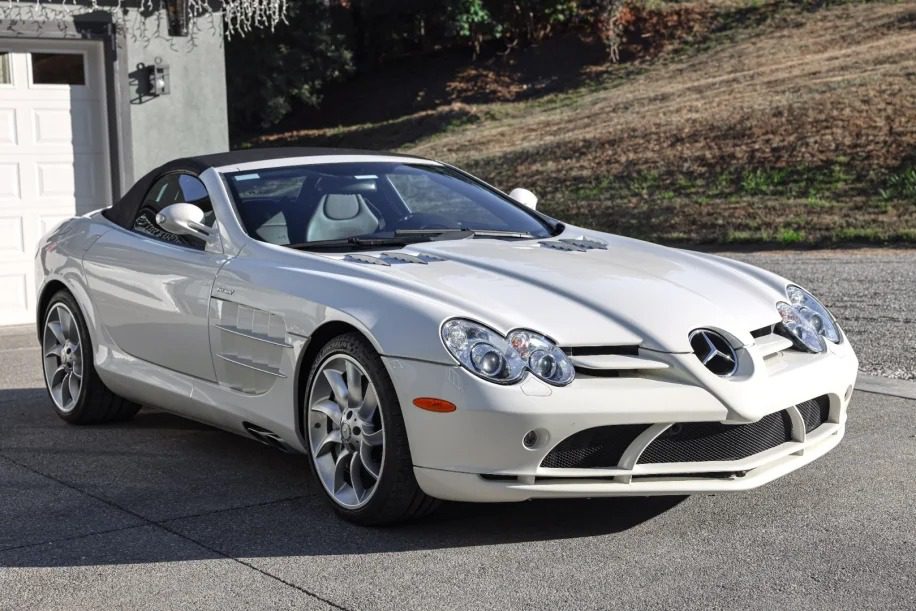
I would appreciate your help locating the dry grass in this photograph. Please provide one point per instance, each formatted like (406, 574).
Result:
(796, 130)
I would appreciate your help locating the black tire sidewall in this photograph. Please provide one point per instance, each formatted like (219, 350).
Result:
(64, 297)
(397, 453)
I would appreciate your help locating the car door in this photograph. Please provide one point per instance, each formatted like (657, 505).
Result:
(151, 288)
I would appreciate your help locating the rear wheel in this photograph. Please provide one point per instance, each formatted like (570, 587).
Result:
(79, 396)
(356, 436)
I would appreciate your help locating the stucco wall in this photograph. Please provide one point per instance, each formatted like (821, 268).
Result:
(192, 119)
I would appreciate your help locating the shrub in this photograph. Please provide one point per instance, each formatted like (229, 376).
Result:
(268, 71)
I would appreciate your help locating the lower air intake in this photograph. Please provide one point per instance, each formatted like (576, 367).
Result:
(712, 441)
(596, 448)
(814, 412)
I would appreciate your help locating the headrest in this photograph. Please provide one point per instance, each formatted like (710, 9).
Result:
(341, 206)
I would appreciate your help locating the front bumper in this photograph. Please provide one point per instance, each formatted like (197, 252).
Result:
(450, 485)
(477, 454)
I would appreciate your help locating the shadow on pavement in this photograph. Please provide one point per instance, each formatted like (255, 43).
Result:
(162, 488)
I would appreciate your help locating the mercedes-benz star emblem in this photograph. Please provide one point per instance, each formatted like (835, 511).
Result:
(714, 351)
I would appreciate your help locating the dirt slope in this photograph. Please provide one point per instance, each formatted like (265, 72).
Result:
(802, 129)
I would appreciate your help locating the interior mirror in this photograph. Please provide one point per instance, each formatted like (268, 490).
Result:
(183, 219)
(525, 197)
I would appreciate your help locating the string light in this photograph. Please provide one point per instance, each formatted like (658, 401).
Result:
(239, 16)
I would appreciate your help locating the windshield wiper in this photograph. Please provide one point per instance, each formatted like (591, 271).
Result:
(352, 242)
(421, 233)
(475, 233)
(405, 237)
(497, 233)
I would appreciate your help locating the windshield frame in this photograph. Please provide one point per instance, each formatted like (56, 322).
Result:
(551, 226)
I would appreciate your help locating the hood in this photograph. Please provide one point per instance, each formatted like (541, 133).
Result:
(630, 292)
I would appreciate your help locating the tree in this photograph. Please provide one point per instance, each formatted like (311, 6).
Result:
(267, 71)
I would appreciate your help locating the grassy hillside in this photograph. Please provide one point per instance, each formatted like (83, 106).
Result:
(764, 122)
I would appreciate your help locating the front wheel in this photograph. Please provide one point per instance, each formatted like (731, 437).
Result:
(356, 436)
(79, 396)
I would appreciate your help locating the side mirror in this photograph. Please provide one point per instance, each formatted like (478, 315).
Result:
(525, 197)
(183, 219)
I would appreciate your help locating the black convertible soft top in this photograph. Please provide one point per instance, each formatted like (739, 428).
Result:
(124, 211)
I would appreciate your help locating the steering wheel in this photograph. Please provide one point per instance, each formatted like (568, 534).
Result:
(382, 223)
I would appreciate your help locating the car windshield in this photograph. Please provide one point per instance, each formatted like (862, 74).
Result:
(349, 205)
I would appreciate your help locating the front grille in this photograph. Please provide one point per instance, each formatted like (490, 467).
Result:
(711, 441)
(814, 412)
(599, 447)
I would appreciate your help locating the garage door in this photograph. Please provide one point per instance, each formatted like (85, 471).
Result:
(53, 154)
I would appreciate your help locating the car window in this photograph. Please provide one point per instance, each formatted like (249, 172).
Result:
(422, 195)
(173, 189)
(316, 203)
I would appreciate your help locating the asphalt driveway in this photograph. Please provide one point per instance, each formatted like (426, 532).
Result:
(165, 513)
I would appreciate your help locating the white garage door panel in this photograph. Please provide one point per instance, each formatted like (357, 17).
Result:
(9, 182)
(7, 125)
(53, 161)
(51, 126)
(55, 179)
(71, 129)
(12, 236)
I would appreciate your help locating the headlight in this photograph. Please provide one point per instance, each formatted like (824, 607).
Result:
(482, 352)
(543, 357)
(800, 329)
(814, 311)
(492, 357)
(807, 319)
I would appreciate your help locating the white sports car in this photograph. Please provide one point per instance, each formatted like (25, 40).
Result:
(421, 335)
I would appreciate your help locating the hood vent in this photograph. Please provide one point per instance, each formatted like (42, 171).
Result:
(403, 257)
(580, 244)
(367, 259)
(387, 258)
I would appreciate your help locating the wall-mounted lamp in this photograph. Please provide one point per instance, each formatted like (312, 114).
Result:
(152, 80)
(178, 17)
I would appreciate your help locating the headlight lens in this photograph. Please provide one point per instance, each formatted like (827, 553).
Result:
(482, 352)
(489, 355)
(543, 358)
(807, 319)
(814, 311)
(800, 328)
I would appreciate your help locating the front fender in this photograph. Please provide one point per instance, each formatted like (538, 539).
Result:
(308, 293)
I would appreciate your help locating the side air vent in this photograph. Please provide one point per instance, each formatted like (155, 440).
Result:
(266, 437)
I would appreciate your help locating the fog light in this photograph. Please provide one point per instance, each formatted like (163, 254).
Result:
(531, 439)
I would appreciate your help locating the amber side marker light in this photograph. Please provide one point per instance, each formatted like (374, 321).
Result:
(431, 404)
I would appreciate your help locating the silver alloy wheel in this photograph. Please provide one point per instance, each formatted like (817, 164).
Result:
(345, 431)
(63, 357)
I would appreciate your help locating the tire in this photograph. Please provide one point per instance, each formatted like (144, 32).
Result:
(67, 350)
(395, 495)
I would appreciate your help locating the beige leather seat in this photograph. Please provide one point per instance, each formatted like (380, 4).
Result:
(341, 215)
